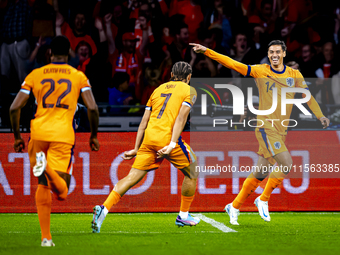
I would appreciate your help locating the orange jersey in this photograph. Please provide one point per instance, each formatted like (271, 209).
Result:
(164, 104)
(56, 88)
(266, 80)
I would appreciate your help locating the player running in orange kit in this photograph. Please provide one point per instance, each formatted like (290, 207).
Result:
(56, 88)
(158, 137)
(271, 136)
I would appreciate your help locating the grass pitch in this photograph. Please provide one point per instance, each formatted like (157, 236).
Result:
(156, 233)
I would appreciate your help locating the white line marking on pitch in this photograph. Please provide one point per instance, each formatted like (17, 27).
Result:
(109, 232)
(215, 223)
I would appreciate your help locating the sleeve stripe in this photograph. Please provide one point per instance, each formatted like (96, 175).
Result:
(307, 88)
(84, 89)
(25, 91)
(149, 108)
(249, 70)
(187, 104)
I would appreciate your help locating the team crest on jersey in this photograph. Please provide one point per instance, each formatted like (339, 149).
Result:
(277, 145)
(290, 82)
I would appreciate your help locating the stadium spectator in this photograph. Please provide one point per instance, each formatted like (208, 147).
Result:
(15, 32)
(97, 67)
(84, 53)
(192, 13)
(293, 64)
(40, 56)
(144, 23)
(266, 17)
(307, 61)
(134, 8)
(241, 52)
(178, 49)
(119, 93)
(152, 81)
(327, 67)
(77, 34)
(128, 59)
(202, 66)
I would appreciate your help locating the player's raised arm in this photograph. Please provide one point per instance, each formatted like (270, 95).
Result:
(222, 59)
(93, 115)
(140, 135)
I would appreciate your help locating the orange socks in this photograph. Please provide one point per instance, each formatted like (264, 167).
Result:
(249, 186)
(43, 202)
(274, 180)
(111, 200)
(57, 183)
(186, 202)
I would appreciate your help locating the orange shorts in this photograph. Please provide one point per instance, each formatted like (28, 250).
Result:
(181, 156)
(271, 143)
(58, 155)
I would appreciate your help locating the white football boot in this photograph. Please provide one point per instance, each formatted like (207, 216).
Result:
(233, 213)
(262, 206)
(40, 164)
(47, 243)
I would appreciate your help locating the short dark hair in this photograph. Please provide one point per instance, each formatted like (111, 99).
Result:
(180, 70)
(84, 43)
(179, 27)
(60, 45)
(278, 42)
(119, 78)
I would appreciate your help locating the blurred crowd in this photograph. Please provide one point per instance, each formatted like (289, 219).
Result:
(127, 47)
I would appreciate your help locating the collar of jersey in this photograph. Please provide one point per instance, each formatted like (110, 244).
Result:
(58, 63)
(284, 69)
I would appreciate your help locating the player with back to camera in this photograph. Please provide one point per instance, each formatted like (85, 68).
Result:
(56, 88)
(159, 137)
(272, 135)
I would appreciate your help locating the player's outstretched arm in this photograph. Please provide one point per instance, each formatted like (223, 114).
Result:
(93, 115)
(222, 59)
(140, 135)
(314, 106)
(14, 113)
(176, 131)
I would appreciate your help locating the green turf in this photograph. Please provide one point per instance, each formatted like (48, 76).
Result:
(287, 233)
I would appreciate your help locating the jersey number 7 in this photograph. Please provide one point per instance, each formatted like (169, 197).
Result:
(164, 105)
(52, 88)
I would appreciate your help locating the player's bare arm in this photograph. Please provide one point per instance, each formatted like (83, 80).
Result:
(140, 135)
(14, 113)
(324, 121)
(93, 115)
(198, 48)
(176, 131)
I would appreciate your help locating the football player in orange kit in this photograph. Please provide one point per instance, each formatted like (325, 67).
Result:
(56, 88)
(159, 137)
(271, 136)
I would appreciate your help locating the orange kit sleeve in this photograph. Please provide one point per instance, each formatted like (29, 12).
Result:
(313, 105)
(228, 62)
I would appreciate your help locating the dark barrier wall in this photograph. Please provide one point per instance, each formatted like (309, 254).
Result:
(94, 174)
